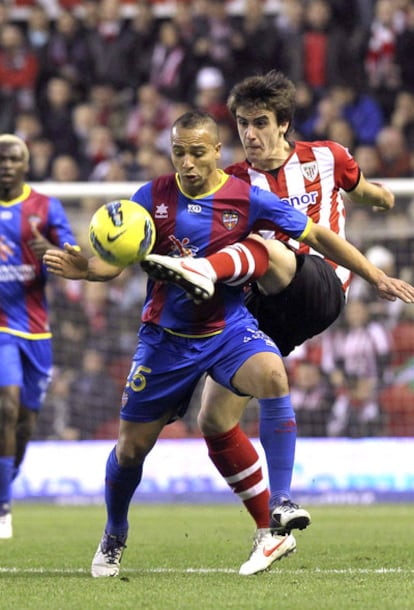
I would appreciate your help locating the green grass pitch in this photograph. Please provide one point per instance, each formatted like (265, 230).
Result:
(187, 557)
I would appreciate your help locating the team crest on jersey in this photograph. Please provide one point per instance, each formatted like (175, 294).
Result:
(230, 219)
(34, 220)
(309, 170)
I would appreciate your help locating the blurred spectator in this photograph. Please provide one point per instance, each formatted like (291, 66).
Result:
(111, 46)
(93, 396)
(317, 126)
(368, 160)
(64, 168)
(380, 61)
(84, 119)
(56, 114)
(255, 41)
(67, 53)
(340, 130)
(19, 69)
(53, 417)
(361, 110)
(394, 153)
(210, 94)
(110, 170)
(38, 31)
(101, 146)
(27, 126)
(151, 109)
(144, 27)
(404, 52)
(111, 106)
(167, 62)
(41, 156)
(356, 356)
(325, 49)
(312, 398)
(356, 411)
(89, 16)
(388, 312)
(215, 38)
(290, 26)
(402, 116)
(305, 108)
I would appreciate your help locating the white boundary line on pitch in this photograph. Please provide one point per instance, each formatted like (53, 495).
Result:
(345, 571)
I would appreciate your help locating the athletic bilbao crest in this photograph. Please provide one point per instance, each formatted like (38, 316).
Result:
(230, 219)
(309, 170)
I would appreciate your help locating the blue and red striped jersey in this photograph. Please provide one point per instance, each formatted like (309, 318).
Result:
(198, 226)
(23, 306)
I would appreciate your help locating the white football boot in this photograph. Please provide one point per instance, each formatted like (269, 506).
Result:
(267, 548)
(107, 559)
(6, 529)
(287, 517)
(194, 275)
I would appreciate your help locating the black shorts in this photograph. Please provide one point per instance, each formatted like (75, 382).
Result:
(312, 302)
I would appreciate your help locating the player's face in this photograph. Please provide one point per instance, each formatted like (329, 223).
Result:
(194, 153)
(13, 166)
(263, 139)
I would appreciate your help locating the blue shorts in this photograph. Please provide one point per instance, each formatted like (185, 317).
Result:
(28, 364)
(166, 368)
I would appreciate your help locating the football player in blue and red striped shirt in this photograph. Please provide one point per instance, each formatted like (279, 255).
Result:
(196, 211)
(29, 224)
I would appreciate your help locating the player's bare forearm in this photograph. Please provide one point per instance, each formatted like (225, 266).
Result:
(72, 265)
(374, 194)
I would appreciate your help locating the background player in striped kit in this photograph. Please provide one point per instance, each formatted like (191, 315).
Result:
(29, 224)
(300, 295)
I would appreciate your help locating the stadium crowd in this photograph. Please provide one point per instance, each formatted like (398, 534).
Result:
(92, 88)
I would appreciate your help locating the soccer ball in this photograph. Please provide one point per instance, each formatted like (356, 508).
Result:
(122, 232)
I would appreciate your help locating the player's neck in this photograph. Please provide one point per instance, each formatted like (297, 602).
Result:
(275, 160)
(10, 193)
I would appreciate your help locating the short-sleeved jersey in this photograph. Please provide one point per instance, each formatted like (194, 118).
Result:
(310, 180)
(198, 226)
(23, 306)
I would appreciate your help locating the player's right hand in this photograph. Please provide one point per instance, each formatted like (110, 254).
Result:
(68, 263)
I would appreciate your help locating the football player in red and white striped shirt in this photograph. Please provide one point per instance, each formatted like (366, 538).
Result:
(298, 297)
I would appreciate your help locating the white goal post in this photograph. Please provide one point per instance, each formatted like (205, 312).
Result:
(108, 190)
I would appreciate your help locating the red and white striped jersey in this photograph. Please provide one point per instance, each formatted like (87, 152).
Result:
(310, 180)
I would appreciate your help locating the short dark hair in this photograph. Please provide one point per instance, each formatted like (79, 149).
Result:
(197, 118)
(272, 91)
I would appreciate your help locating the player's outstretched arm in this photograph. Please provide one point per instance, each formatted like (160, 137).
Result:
(72, 265)
(345, 254)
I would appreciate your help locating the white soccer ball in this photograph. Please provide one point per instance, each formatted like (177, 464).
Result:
(122, 232)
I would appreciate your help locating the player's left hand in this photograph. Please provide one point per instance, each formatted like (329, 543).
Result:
(39, 244)
(391, 289)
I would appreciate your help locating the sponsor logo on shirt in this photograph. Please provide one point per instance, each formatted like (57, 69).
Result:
(194, 208)
(230, 219)
(304, 199)
(161, 211)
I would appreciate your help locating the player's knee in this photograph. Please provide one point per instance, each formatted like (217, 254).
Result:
(213, 422)
(9, 411)
(131, 452)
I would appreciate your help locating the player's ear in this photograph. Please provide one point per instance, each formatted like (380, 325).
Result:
(218, 150)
